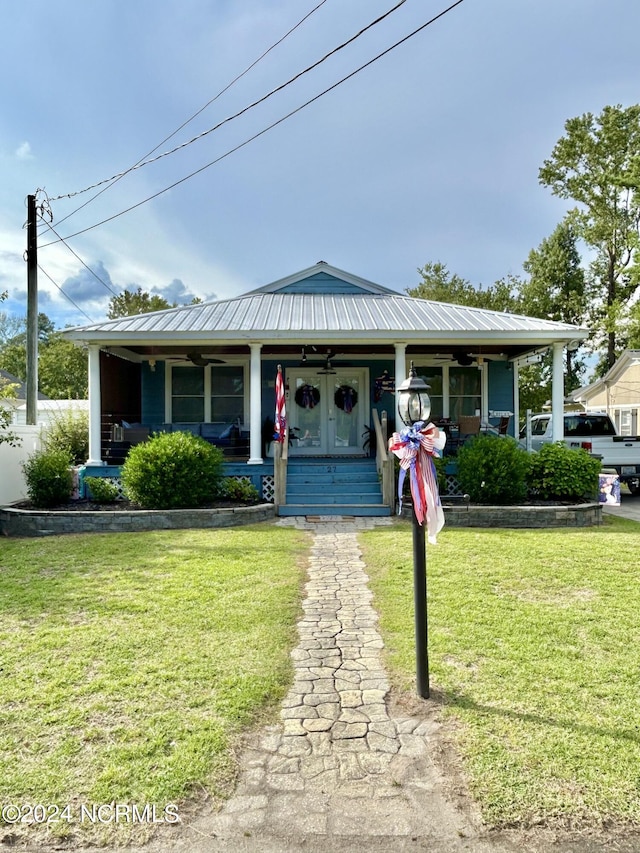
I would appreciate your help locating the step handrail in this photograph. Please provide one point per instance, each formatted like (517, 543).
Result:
(384, 459)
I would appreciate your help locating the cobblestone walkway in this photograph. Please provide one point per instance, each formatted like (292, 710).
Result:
(339, 773)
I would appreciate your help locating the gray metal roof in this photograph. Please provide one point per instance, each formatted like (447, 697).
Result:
(276, 312)
(268, 313)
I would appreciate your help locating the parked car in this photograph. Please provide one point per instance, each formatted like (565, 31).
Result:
(595, 432)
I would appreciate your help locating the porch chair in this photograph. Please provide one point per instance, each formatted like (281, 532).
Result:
(503, 425)
(469, 426)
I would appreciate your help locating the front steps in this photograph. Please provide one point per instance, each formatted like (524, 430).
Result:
(333, 486)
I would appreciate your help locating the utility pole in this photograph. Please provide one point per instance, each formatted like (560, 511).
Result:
(32, 312)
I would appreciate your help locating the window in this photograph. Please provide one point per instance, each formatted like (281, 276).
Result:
(464, 391)
(227, 393)
(433, 377)
(187, 395)
(214, 393)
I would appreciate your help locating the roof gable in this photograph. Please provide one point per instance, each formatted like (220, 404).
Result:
(322, 278)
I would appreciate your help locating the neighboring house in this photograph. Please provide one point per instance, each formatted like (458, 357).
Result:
(617, 394)
(344, 344)
(48, 410)
(20, 392)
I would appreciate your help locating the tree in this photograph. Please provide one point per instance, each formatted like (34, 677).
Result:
(63, 369)
(440, 285)
(597, 165)
(557, 290)
(131, 302)
(62, 366)
(7, 392)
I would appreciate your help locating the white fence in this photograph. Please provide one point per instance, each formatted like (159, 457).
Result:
(12, 485)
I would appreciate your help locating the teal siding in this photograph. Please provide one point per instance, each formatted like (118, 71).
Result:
(322, 282)
(501, 389)
(153, 393)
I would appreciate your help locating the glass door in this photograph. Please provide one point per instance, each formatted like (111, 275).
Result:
(326, 411)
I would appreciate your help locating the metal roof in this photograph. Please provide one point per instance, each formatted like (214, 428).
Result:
(268, 313)
(275, 312)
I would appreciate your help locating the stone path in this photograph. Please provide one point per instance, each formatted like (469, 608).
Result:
(339, 773)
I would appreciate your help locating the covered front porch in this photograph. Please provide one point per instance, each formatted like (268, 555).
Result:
(344, 345)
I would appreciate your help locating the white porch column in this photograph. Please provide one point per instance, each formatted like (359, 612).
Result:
(95, 407)
(557, 393)
(516, 397)
(255, 398)
(401, 375)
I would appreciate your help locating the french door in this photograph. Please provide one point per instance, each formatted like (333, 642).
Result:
(326, 411)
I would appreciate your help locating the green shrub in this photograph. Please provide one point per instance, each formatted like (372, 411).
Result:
(561, 473)
(48, 477)
(493, 470)
(101, 490)
(69, 431)
(172, 470)
(239, 490)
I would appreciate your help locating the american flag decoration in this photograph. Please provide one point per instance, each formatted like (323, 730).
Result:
(281, 412)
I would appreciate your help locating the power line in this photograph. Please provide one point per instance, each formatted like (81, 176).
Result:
(268, 128)
(66, 295)
(226, 88)
(241, 112)
(77, 256)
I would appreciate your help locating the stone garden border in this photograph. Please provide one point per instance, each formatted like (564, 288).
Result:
(33, 522)
(26, 522)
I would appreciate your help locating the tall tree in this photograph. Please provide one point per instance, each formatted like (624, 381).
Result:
(557, 289)
(440, 285)
(63, 369)
(596, 164)
(7, 392)
(138, 301)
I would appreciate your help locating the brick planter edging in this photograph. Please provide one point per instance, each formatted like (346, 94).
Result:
(26, 522)
(579, 515)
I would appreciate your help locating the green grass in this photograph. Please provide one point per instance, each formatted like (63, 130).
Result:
(533, 649)
(130, 663)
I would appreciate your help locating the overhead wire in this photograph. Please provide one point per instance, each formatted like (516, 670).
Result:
(77, 256)
(222, 91)
(241, 112)
(66, 295)
(269, 127)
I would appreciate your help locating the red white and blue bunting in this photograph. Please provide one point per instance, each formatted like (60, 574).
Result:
(415, 447)
(281, 412)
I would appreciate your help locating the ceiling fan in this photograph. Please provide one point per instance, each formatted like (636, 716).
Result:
(462, 357)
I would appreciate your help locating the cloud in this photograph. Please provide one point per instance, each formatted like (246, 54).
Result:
(23, 151)
(176, 292)
(87, 287)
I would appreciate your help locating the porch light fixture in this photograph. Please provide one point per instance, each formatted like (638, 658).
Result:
(414, 406)
(327, 369)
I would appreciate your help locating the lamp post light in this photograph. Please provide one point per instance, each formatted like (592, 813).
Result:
(414, 406)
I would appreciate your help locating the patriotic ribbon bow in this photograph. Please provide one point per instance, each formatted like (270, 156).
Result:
(415, 447)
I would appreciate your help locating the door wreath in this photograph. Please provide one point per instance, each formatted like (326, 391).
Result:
(307, 396)
(345, 398)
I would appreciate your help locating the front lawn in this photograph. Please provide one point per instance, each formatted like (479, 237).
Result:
(533, 644)
(130, 662)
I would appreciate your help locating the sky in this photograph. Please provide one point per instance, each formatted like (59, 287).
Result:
(430, 153)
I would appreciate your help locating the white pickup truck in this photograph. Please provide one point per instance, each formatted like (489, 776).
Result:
(596, 433)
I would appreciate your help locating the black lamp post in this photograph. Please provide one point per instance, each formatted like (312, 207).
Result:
(414, 406)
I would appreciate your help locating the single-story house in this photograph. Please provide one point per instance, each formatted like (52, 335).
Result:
(617, 393)
(344, 344)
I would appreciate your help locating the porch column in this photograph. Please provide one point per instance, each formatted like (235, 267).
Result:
(400, 375)
(255, 398)
(95, 407)
(557, 393)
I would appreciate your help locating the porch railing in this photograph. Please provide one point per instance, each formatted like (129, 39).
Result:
(384, 459)
(280, 460)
